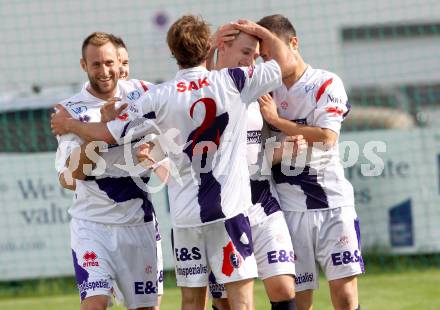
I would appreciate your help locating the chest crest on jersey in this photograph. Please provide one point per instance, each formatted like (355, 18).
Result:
(134, 95)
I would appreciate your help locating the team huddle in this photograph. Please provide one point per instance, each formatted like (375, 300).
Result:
(249, 154)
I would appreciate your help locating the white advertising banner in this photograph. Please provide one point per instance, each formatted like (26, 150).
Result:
(397, 191)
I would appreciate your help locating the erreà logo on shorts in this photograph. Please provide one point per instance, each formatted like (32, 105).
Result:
(302, 278)
(90, 259)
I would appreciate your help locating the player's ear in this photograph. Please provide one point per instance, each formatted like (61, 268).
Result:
(83, 64)
(293, 43)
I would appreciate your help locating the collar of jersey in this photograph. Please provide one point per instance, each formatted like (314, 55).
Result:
(303, 78)
(183, 72)
(89, 97)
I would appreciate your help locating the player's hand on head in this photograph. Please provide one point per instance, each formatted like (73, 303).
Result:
(250, 27)
(58, 120)
(143, 155)
(109, 111)
(224, 34)
(268, 109)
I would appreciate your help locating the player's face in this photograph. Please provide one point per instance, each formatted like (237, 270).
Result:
(124, 69)
(264, 52)
(242, 52)
(101, 64)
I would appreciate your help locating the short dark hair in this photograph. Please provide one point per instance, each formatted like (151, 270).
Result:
(119, 42)
(97, 39)
(189, 40)
(279, 25)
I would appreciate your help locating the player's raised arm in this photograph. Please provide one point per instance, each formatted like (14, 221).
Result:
(278, 50)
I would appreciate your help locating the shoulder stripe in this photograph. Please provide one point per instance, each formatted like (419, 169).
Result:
(238, 77)
(322, 89)
(144, 86)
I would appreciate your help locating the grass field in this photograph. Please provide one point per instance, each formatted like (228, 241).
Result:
(415, 289)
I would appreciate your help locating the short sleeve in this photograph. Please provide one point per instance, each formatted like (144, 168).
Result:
(332, 104)
(141, 119)
(255, 81)
(66, 144)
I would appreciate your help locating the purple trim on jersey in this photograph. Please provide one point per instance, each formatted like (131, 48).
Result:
(261, 194)
(81, 275)
(150, 115)
(172, 241)
(137, 121)
(358, 236)
(156, 226)
(236, 227)
(209, 198)
(209, 192)
(316, 198)
(238, 77)
(348, 105)
(123, 189)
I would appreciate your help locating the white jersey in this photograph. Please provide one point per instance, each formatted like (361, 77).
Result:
(264, 195)
(318, 99)
(204, 113)
(112, 196)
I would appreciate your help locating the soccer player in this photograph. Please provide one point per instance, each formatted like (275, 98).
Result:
(209, 206)
(270, 234)
(113, 233)
(124, 69)
(318, 203)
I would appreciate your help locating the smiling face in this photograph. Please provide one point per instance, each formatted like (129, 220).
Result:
(102, 65)
(241, 52)
(124, 69)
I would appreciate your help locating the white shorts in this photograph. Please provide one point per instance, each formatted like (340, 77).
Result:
(119, 258)
(225, 248)
(330, 238)
(273, 251)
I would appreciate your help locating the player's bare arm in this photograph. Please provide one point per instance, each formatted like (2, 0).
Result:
(62, 123)
(278, 50)
(292, 146)
(225, 33)
(312, 134)
(161, 168)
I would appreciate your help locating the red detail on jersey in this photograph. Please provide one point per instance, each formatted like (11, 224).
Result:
(321, 90)
(251, 71)
(193, 85)
(284, 105)
(203, 83)
(335, 110)
(123, 117)
(210, 113)
(181, 87)
(90, 255)
(144, 86)
(227, 267)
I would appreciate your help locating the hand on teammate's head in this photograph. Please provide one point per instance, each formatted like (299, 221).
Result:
(251, 28)
(224, 34)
